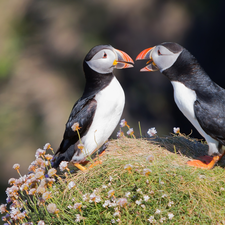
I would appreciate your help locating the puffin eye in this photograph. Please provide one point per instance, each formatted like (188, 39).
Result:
(105, 55)
(159, 53)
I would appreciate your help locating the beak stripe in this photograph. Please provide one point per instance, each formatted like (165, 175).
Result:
(144, 53)
(125, 56)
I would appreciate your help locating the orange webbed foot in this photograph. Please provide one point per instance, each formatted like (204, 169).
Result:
(95, 164)
(82, 168)
(200, 164)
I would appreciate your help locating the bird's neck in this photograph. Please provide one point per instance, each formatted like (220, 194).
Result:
(95, 81)
(187, 70)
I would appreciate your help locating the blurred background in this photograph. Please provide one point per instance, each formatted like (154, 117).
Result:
(42, 47)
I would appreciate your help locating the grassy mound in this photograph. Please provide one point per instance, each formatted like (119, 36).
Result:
(140, 181)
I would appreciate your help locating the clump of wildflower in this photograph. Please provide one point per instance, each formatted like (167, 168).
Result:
(77, 206)
(47, 195)
(16, 166)
(176, 130)
(75, 127)
(150, 158)
(146, 171)
(170, 203)
(80, 146)
(39, 175)
(116, 213)
(127, 194)
(111, 193)
(51, 208)
(130, 131)
(40, 162)
(21, 215)
(47, 146)
(158, 211)
(85, 197)
(170, 215)
(138, 202)
(12, 181)
(164, 195)
(122, 202)
(12, 192)
(151, 192)
(63, 165)
(24, 187)
(78, 218)
(41, 222)
(128, 167)
(71, 185)
(113, 203)
(3, 208)
(162, 219)
(32, 167)
(52, 172)
(123, 123)
(106, 203)
(70, 207)
(48, 157)
(32, 191)
(146, 198)
(120, 134)
(151, 219)
(139, 191)
(39, 153)
(95, 198)
(41, 190)
(152, 132)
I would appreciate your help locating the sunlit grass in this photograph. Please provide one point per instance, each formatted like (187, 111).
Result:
(140, 181)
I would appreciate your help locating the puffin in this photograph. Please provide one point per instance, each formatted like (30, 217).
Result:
(201, 100)
(96, 114)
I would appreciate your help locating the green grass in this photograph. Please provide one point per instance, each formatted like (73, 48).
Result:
(192, 196)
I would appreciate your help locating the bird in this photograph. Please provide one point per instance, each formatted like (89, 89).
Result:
(96, 114)
(200, 99)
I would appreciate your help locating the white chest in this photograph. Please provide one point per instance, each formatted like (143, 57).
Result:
(185, 98)
(110, 104)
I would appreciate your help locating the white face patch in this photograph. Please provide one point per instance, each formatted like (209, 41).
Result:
(102, 61)
(163, 57)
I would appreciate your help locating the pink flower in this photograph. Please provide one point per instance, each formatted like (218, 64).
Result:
(152, 132)
(122, 202)
(16, 166)
(176, 130)
(130, 131)
(123, 123)
(51, 208)
(63, 165)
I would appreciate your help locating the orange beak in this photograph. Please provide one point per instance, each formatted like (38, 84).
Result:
(147, 54)
(123, 60)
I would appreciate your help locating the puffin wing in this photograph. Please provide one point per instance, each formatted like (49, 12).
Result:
(82, 114)
(211, 117)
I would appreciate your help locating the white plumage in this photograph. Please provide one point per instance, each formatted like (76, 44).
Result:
(185, 98)
(110, 104)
